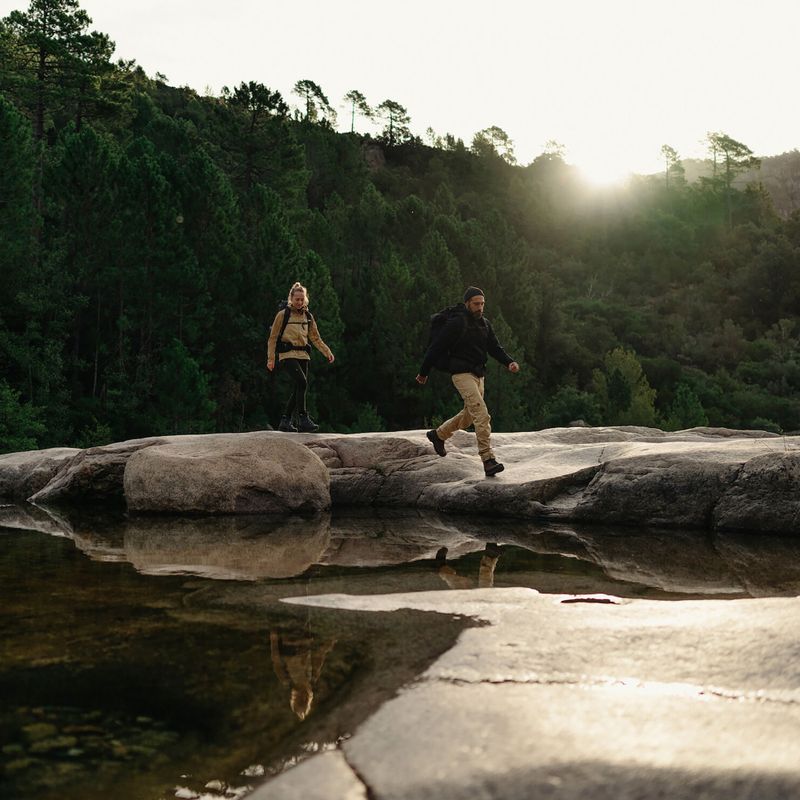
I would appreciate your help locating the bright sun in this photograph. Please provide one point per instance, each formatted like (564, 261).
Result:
(604, 173)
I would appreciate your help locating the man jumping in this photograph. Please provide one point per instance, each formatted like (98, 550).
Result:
(465, 342)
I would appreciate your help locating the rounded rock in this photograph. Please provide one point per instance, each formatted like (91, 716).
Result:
(231, 474)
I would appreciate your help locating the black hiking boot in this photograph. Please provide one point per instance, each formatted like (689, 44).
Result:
(307, 425)
(438, 444)
(286, 425)
(492, 467)
(441, 557)
(492, 550)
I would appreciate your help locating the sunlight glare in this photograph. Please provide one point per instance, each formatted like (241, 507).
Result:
(604, 173)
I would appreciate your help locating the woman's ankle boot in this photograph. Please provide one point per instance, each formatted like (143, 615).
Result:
(286, 425)
(307, 425)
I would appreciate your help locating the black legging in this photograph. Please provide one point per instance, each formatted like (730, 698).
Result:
(297, 370)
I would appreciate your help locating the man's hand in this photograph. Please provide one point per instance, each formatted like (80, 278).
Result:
(331, 359)
(422, 379)
(271, 365)
(513, 367)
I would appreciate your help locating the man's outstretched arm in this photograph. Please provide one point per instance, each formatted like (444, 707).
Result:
(496, 351)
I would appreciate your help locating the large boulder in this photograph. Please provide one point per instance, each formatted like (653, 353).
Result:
(671, 489)
(24, 474)
(234, 474)
(765, 496)
(93, 475)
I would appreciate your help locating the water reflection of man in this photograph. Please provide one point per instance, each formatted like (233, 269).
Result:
(489, 559)
(298, 658)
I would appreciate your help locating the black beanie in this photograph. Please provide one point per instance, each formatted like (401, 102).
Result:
(472, 291)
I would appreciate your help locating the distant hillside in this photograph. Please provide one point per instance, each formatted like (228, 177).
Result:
(780, 175)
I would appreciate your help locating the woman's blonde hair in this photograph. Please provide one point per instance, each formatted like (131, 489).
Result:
(298, 287)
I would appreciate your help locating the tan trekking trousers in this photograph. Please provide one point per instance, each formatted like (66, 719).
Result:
(474, 413)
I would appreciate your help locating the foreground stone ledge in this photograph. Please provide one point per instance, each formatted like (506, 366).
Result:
(702, 478)
(326, 777)
(565, 698)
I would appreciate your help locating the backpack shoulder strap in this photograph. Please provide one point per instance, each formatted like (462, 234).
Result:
(286, 313)
(458, 311)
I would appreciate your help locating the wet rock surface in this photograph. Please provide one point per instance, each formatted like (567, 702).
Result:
(565, 699)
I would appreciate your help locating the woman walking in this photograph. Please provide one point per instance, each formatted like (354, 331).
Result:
(292, 330)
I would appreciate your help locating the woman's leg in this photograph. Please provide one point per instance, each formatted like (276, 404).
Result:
(297, 370)
(301, 386)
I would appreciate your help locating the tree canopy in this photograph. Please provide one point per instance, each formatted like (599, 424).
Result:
(148, 233)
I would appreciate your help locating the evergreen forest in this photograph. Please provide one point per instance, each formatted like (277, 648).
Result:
(148, 232)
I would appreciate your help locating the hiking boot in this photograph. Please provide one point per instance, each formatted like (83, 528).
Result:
(286, 426)
(441, 557)
(438, 444)
(307, 425)
(492, 550)
(492, 467)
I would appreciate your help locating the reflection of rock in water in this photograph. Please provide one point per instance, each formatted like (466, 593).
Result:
(25, 516)
(380, 540)
(238, 548)
(268, 547)
(227, 548)
(766, 565)
(684, 562)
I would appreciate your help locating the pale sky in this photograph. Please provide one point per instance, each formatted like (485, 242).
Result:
(612, 80)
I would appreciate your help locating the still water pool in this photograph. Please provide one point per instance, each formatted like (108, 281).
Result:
(152, 658)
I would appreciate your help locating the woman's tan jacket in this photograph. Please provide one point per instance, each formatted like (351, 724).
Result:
(298, 332)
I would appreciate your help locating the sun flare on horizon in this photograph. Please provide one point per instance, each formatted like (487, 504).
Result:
(605, 161)
(602, 174)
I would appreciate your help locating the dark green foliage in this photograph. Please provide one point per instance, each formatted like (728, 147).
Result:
(181, 398)
(686, 410)
(147, 234)
(20, 423)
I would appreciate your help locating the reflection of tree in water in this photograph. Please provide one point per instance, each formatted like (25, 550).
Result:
(489, 559)
(298, 656)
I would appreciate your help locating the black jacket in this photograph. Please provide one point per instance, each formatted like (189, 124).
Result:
(469, 342)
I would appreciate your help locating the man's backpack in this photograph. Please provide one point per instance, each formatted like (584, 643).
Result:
(285, 347)
(437, 324)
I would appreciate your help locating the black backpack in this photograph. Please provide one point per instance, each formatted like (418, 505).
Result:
(437, 323)
(285, 347)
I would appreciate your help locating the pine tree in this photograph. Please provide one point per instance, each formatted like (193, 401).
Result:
(623, 391)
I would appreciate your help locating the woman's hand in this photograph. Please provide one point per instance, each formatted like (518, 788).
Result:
(331, 359)
(271, 364)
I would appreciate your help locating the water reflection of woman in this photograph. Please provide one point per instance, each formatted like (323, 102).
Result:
(298, 658)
